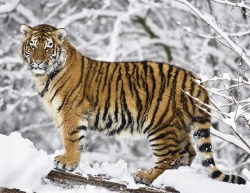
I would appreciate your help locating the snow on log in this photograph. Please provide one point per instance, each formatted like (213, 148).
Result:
(60, 177)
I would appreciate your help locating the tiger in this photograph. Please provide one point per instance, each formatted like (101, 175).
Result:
(164, 103)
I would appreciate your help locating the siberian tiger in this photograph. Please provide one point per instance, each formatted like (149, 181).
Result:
(163, 102)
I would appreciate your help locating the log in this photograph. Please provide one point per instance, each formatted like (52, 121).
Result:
(7, 190)
(69, 180)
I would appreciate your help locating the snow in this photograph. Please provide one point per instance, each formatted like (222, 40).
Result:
(21, 165)
(17, 153)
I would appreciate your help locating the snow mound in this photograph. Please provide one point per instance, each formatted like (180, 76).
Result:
(118, 172)
(21, 165)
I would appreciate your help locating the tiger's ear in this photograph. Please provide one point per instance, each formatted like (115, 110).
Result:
(25, 29)
(60, 34)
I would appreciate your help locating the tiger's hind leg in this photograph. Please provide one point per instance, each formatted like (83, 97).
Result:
(165, 144)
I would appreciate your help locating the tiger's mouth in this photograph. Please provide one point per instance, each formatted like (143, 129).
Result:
(40, 69)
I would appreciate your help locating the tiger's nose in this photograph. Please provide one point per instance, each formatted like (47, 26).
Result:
(38, 62)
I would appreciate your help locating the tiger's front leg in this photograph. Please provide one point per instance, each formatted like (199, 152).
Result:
(73, 143)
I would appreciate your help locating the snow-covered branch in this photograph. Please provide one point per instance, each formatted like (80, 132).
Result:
(230, 139)
(8, 7)
(87, 13)
(210, 20)
(242, 4)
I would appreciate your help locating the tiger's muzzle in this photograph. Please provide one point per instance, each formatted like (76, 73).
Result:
(39, 67)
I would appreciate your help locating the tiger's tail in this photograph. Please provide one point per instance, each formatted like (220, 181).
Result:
(203, 141)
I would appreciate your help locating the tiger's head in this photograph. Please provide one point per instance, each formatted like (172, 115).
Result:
(43, 49)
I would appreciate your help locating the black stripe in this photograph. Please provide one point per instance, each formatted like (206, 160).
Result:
(208, 162)
(201, 119)
(92, 69)
(80, 138)
(205, 147)
(75, 140)
(58, 80)
(161, 128)
(202, 133)
(60, 107)
(58, 89)
(129, 78)
(123, 124)
(226, 178)
(100, 75)
(97, 79)
(183, 98)
(165, 147)
(198, 94)
(125, 106)
(97, 119)
(170, 70)
(162, 136)
(107, 102)
(145, 80)
(137, 75)
(116, 110)
(118, 79)
(107, 65)
(51, 77)
(145, 67)
(160, 69)
(190, 98)
(170, 152)
(216, 174)
(157, 144)
(78, 129)
(159, 168)
(109, 122)
(151, 70)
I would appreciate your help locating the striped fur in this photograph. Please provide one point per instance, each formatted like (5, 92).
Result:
(121, 98)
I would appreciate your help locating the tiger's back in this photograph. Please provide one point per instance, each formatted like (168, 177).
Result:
(162, 102)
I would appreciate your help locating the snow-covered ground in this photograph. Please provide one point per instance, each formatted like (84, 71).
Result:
(24, 167)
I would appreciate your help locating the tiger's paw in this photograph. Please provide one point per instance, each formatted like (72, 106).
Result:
(63, 162)
(144, 177)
